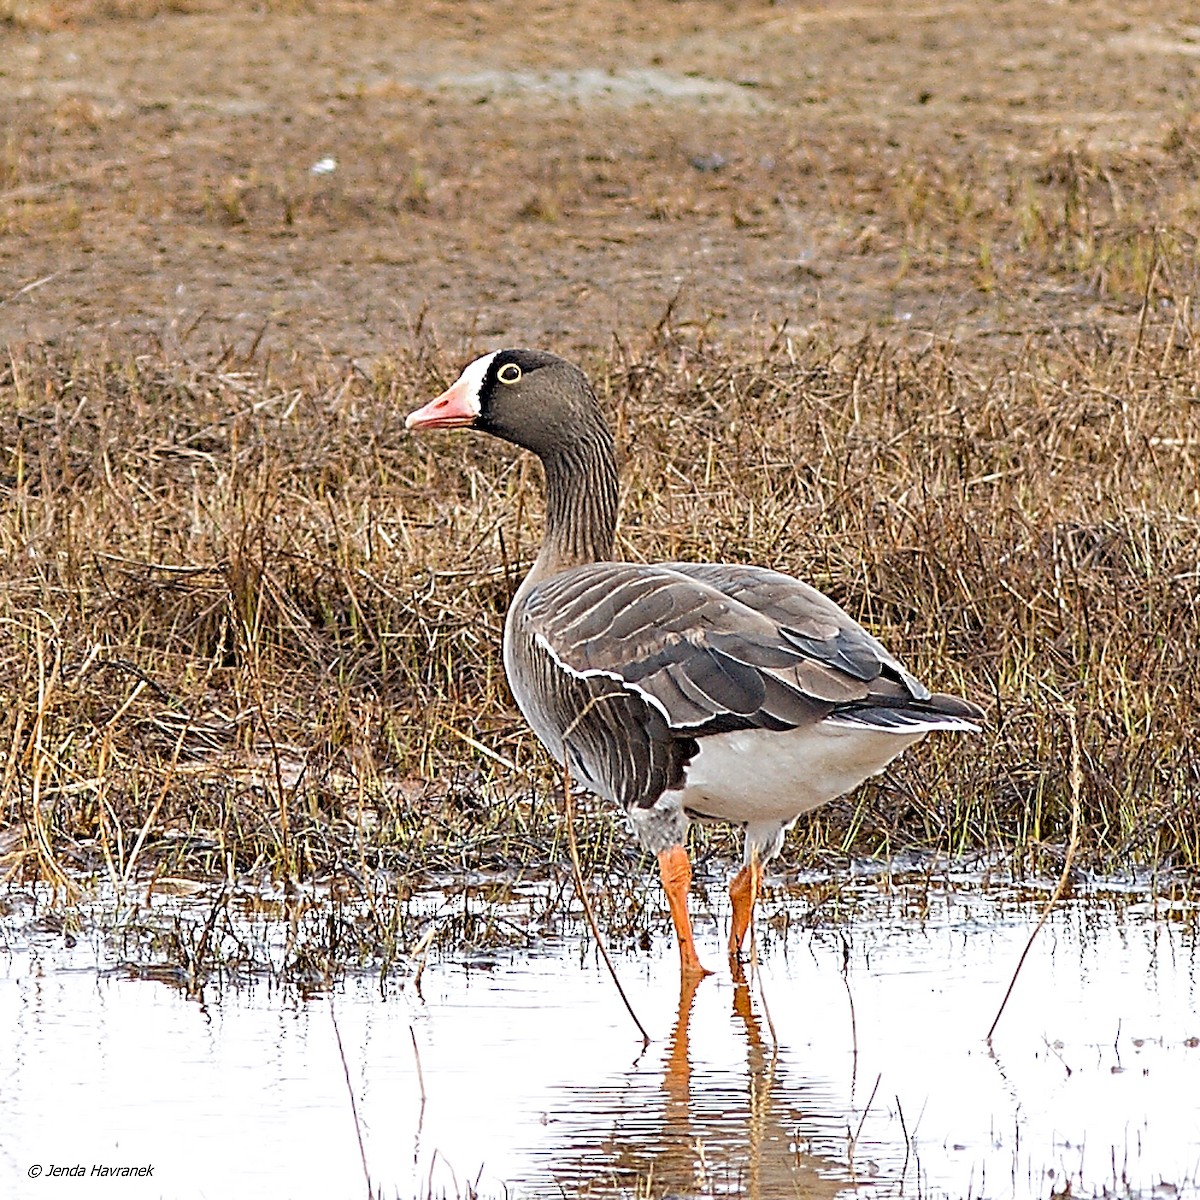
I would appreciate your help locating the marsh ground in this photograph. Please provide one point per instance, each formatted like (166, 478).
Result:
(560, 173)
(897, 297)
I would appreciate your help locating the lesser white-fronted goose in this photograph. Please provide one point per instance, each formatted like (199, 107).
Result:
(678, 690)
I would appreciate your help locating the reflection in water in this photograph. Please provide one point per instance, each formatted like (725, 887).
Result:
(530, 1091)
(1093, 1086)
(729, 1133)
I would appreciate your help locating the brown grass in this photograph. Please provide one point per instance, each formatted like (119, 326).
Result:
(249, 628)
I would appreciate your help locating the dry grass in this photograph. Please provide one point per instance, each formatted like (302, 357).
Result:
(249, 628)
(1023, 529)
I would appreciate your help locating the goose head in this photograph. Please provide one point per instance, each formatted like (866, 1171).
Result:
(529, 397)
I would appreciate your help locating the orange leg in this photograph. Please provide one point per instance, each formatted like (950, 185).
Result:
(676, 872)
(743, 891)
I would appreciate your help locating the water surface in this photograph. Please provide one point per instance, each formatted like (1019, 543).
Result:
(522, 1075)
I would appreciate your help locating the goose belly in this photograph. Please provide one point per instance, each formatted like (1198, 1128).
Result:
(756, 776)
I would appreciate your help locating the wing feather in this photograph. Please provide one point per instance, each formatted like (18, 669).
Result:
(703, 640)
(647, 658)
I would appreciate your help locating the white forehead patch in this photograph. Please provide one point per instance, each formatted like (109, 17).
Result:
(471, 380)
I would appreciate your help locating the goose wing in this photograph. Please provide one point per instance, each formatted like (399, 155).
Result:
(715, 647)
(683, 651)
(808, 620)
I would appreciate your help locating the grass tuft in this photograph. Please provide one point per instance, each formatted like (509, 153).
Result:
(249, 629)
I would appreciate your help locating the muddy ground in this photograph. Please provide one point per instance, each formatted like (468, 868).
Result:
(332, 179)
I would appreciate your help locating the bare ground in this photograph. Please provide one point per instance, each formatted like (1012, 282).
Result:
(897, 297)
(560, 173)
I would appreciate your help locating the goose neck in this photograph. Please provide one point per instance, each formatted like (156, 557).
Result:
(581, 506)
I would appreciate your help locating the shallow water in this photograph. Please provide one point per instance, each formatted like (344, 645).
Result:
(880, 1081)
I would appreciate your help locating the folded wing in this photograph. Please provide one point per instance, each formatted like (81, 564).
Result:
(663, 655)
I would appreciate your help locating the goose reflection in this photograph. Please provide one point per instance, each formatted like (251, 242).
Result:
(669, 1127)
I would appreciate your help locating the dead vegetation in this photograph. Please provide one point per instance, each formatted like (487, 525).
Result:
(249, 629)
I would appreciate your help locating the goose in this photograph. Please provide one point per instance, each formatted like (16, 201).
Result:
(680, 691)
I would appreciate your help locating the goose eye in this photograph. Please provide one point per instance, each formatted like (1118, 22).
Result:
(509, 373)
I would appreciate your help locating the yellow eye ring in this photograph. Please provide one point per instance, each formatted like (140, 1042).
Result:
(509, 373)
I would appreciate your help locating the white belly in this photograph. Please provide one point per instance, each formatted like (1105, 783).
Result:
(758, 777)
